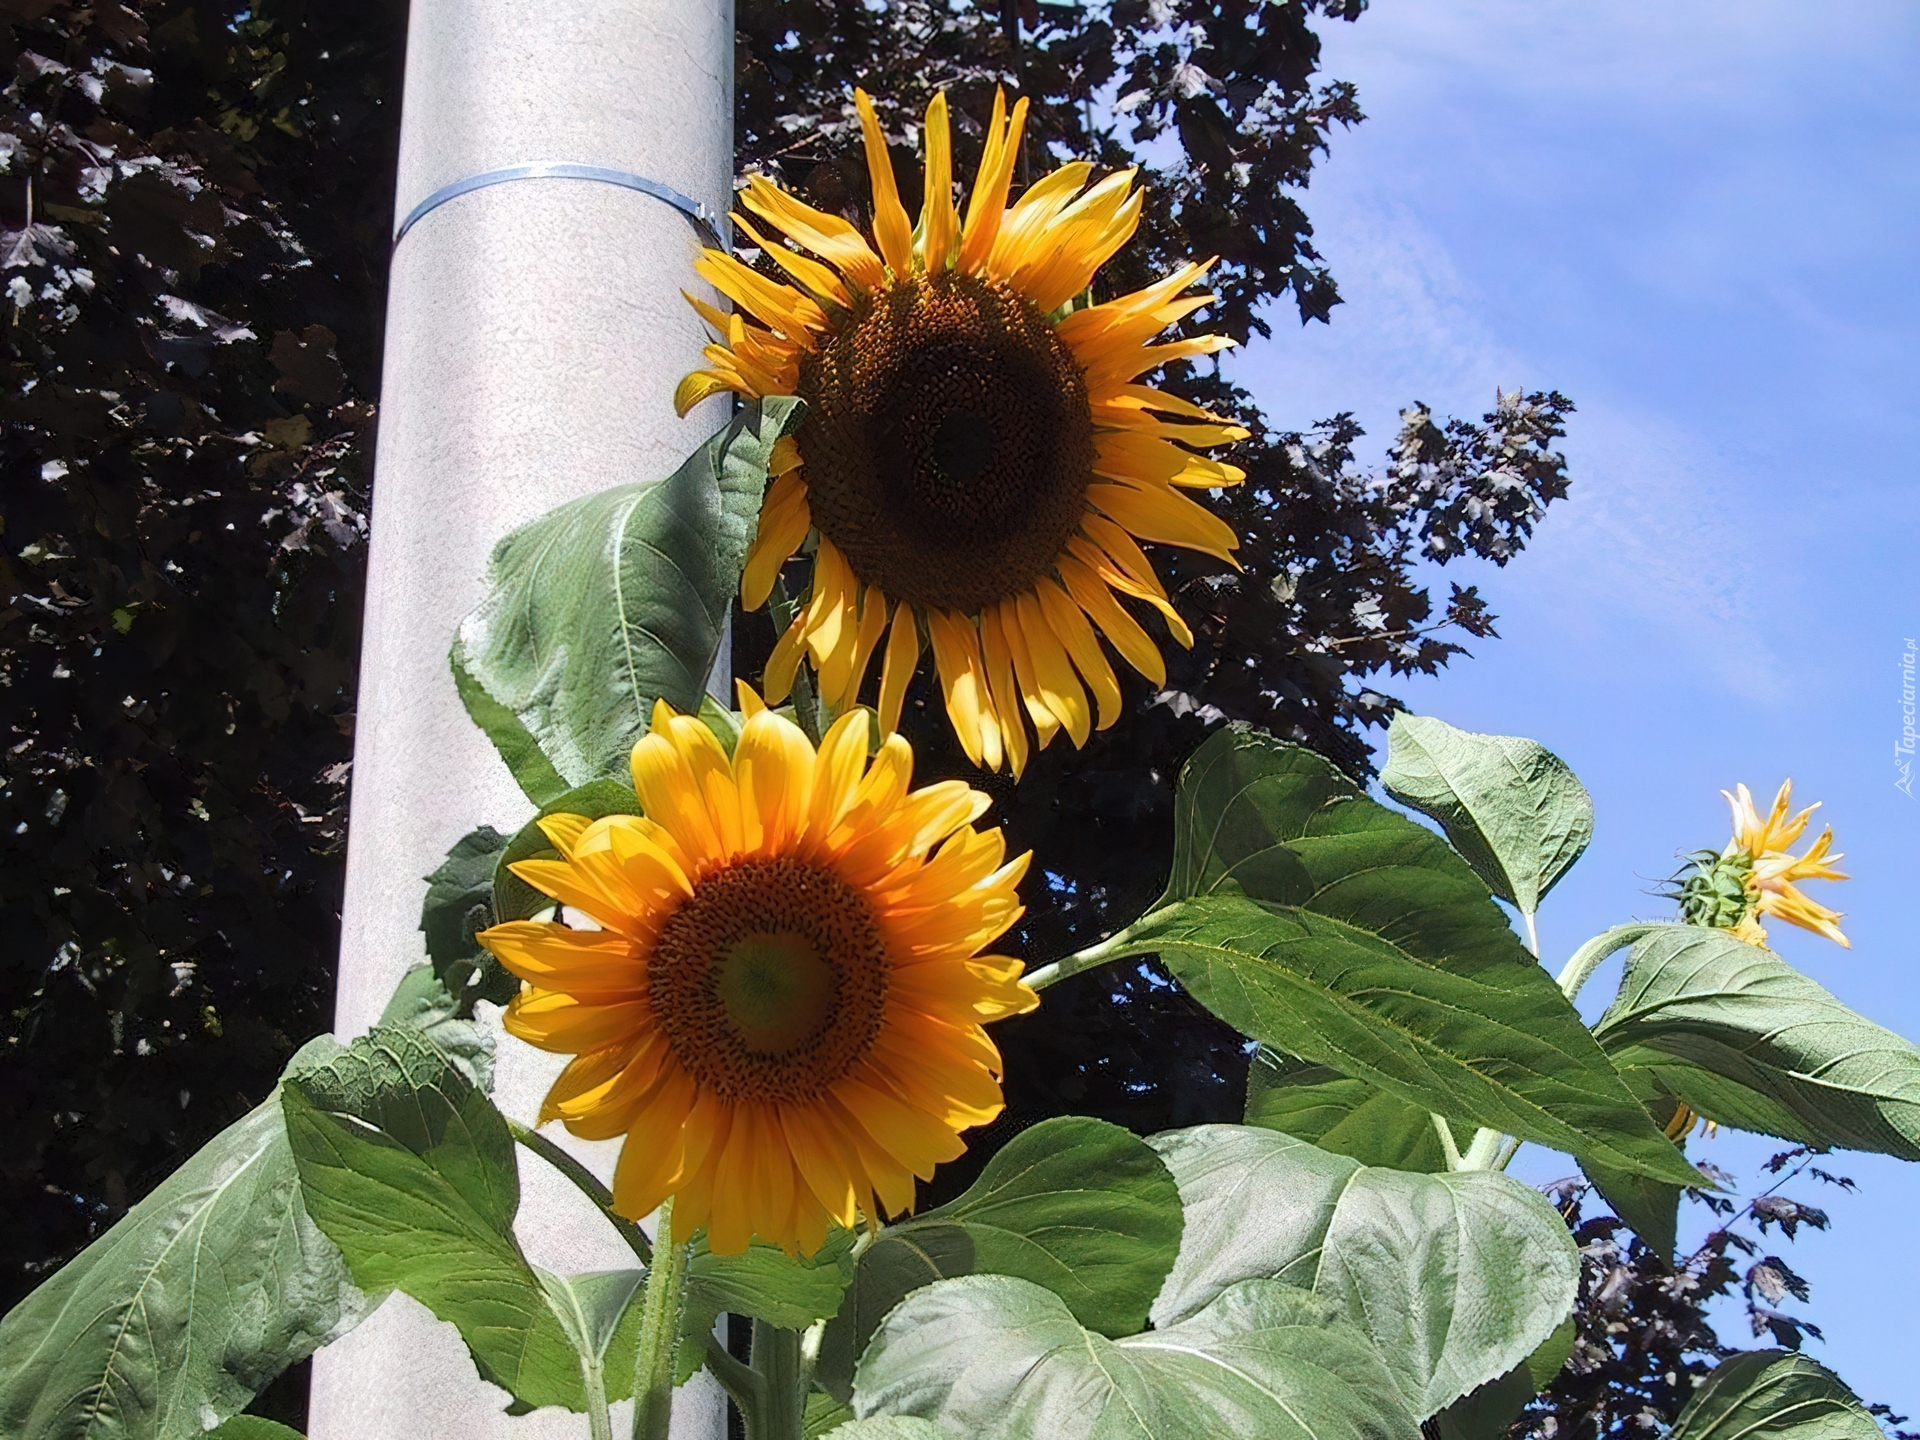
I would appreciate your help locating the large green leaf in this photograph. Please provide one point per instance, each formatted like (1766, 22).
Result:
(1748, 1041)
(1079, 1206)
(889, 1427)
(612, 601)
(411, 1172)
(1510, 806)
(1327, 926)
(991, 1357)
(186, 1308)
(252, 1427)
(762, 1282)
(1774, 1395)
(1457, 1278)
(1318, 1104)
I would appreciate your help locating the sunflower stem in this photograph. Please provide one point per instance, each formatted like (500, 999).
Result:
(599, 1422)
(1114, 947)
(586, 1182)
(660, 1312)
(1589, 956)
(744, 1385)
(776, 1358)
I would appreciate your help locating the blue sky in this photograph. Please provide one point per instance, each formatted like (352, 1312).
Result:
(1701, 221)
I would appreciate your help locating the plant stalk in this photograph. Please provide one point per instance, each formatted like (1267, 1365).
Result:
(744, 1385)
(599, 1422)
(776, 1358)
(1448, 1146)
(1589, 956)
(659, 1331)
(1112, 948)
(586, 1182)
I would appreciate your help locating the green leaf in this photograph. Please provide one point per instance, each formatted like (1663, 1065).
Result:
(1363, 943)
(1546, 1363)
(613, 601)
(420, 1002)
(724, 723)
(513, 898)
(1510, 806)
(252, 1427)
(1750, 1042)
(1650, 1207)
(764, 1283)
(458, 906)
(1457, 1278)
(598, 1314)
(886, 1427)
(1079, 1206)
(183, 1311)
(825, 1414)
(411, 1172)
(1487, 1412)
(1336, 1112)
(992, 1357)
(530, 768)
(1774, 1395)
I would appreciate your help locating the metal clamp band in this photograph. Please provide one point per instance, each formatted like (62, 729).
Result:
(696, 213)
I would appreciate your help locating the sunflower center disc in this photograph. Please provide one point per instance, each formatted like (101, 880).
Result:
(771, 982)
(948, 443)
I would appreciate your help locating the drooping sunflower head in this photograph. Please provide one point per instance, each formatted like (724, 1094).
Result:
(978, 460)
(1755, 874)
(782, 1006)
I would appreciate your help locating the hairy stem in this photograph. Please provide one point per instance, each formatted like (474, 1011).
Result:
(660, 1311)
(586, 1182)
(744, 1385)
(1447, 1145)
(1589, 956)
(1114, 947)
(599, 1422)
(776, 1359)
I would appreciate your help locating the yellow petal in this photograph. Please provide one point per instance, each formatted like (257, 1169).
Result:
(601, 963)
(817, 278)
(1136, 647)
(784, 523)
(780, 306)
(890, 224)
(1166, 518)
(987, 209)
(1004, 688)
(939, 222)
(963, 680)
(1045, 723)
(1058, 686)
(903, 656)
(1070, 626)
(773, 764)
(830, 237)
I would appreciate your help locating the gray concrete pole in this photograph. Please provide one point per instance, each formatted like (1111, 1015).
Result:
(535, 332)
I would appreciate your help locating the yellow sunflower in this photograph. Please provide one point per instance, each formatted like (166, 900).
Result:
(1770, 884)
(977, 458)
(781, 1008)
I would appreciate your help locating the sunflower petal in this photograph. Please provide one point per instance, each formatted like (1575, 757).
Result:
(890, 225)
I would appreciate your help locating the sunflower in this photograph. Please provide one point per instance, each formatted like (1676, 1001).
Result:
(781, 1006)
(1762, 845)
(978, 458)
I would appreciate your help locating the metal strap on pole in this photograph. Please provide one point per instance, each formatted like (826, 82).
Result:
(698, 216)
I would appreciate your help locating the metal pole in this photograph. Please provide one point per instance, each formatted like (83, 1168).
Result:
(535, 332)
